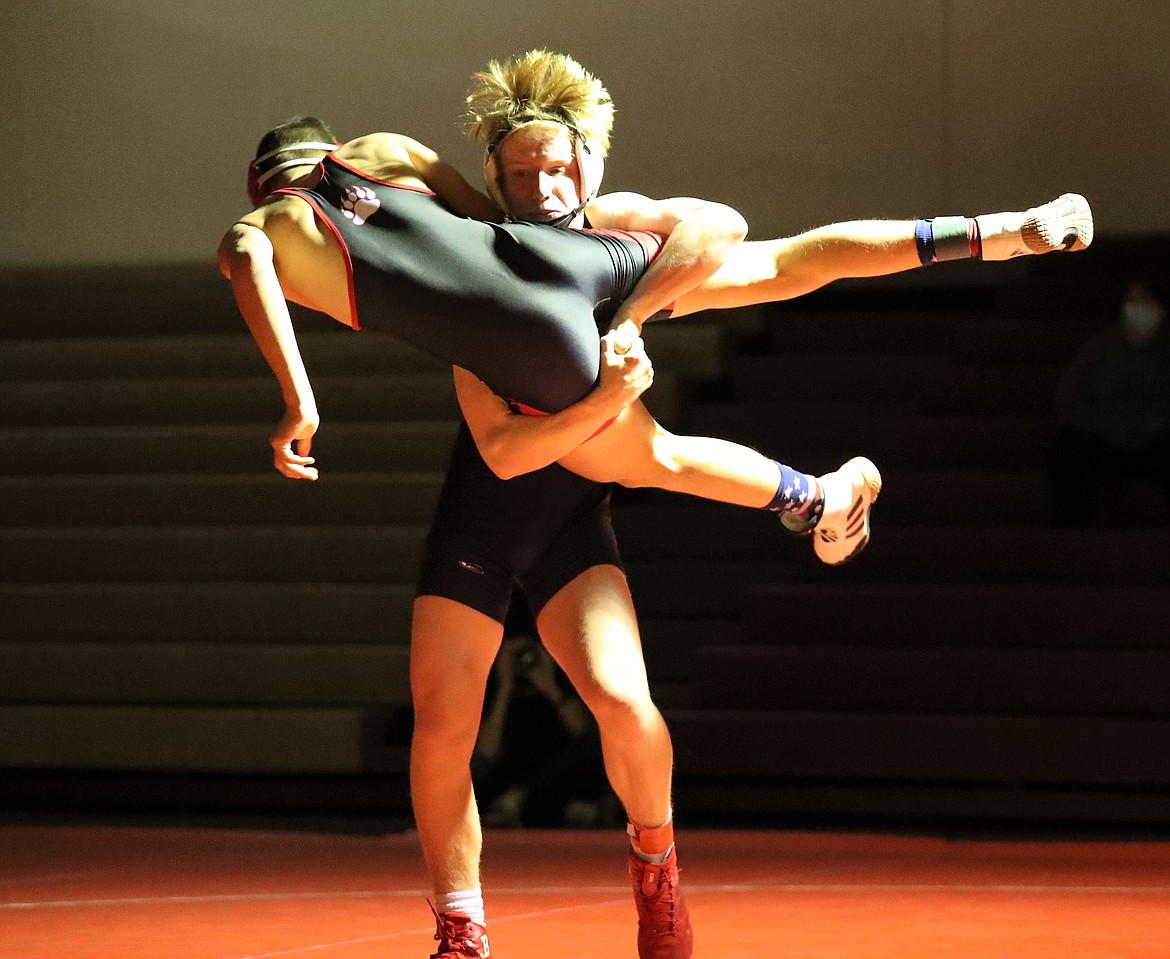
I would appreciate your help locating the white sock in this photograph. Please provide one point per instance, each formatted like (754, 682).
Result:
(468, 902)
(999, 235)
(656, 860)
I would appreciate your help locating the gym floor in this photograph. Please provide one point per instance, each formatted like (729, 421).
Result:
(112, 892)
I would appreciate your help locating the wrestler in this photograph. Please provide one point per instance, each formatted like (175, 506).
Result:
(546, 125)
(358, 233)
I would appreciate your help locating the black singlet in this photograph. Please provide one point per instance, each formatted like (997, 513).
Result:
(517, 304)
(538, 531)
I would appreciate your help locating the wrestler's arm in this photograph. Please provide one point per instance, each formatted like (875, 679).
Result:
(246, 258)
(448, 183)
(512, 444)
(700, 236)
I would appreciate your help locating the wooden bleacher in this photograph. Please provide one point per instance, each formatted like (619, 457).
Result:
(174, 612)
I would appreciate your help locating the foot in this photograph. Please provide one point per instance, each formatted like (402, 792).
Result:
(664, 925)
(839, 522)
(1065, 223)
(459, 937)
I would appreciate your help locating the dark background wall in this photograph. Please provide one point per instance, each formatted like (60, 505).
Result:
(149, 556)
(135, 117)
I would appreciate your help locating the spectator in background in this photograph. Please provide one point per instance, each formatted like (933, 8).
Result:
(537, 760)
(1112, 434)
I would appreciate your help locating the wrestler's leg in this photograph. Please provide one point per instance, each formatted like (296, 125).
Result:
(762, 272)
(451, 654)
(769, 270)
(636, 451)
(590, 629)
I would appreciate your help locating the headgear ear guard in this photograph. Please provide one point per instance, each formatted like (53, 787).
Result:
(256, 179)
(591, 163)
(590, 168)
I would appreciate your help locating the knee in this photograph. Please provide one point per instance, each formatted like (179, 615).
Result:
(659, 464)
(445, 728)
(624, 715)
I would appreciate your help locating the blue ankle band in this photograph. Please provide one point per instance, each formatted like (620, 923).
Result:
(792, 495)
(924, 241)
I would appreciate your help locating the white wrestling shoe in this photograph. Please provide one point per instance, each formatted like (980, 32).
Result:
(840, 529)
(1065, 223)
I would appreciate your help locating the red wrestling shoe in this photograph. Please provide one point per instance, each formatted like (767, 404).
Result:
(664, 925)
(459, 937)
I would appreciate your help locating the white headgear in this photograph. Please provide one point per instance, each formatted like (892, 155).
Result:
(590, 167)
(256, 179)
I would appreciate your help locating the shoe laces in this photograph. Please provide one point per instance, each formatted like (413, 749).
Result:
(661, 905)
(456, 937)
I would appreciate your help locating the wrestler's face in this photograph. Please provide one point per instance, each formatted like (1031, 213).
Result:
(538, 172)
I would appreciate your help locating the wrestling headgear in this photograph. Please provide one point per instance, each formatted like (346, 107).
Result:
(590, 166)
(256, 179)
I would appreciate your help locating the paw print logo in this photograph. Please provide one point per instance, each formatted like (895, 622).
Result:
(359, 203)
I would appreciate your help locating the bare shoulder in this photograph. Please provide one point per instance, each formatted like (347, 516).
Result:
(617, 210)
(274, 212)
(621, 199)
(256, 229)
(633, 211)
(387, 156)
(376, 148)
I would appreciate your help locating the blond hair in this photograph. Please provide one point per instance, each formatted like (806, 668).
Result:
(538, 85)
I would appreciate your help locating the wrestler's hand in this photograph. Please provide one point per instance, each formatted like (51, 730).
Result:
(292, 441)
(625, 333)
(626, 371)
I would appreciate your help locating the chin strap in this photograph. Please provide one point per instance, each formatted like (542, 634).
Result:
(590, 169)
(565, 220)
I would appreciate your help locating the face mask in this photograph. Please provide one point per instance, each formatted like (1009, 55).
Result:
(1140, 320)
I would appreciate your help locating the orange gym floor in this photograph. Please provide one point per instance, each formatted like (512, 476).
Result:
(180, 893)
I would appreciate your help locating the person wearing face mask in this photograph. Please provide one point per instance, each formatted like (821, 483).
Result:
(1112, 434)
(537, 759)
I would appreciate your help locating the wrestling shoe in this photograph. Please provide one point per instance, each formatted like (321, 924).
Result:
(459, 937)
(1065, 223)
(664, 925)
(839, 520)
